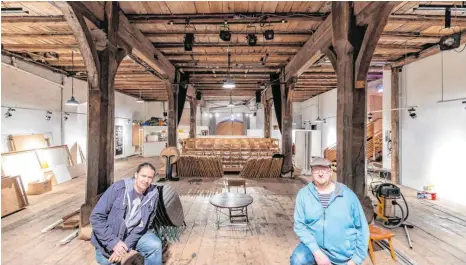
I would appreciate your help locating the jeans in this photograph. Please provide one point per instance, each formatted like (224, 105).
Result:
(149, 246)
(302, 255)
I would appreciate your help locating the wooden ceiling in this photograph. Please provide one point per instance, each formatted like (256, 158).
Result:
(43, 35)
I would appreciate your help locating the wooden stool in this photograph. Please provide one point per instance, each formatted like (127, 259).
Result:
(379, 233)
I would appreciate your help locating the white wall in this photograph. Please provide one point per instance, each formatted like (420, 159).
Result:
(31, 96)
(387, 117)
(433, 146)
(324, 106)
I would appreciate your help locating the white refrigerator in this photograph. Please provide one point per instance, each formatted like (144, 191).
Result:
(308, 144)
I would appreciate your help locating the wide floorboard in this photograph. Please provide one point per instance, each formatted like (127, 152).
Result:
(438, 237)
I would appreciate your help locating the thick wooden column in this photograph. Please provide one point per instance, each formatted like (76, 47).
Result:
(267, 104)
(354, 42)
(287, 125)
(395, 152)
(192, 117)
(101, 68)
(172, 91)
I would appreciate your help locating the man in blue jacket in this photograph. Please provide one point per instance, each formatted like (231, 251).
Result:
(121, 218)
(329, 221)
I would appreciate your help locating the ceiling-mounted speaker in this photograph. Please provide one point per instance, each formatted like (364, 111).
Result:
(188, 41)
(225, 35)
(198, 95)
(269, 34)
(252, 39)
(450, 42)
(258, 96)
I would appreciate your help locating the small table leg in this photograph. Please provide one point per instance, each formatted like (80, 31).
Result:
(218, 218)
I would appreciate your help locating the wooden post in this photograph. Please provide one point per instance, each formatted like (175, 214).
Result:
(354, 40)
(267, 103)
(172, 113)
(287, 125)
(395, 173)
(192, 116)
(101, 69)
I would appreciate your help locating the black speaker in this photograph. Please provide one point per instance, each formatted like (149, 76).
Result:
(450, 42)
(188, 41)
(258, 96)
(198, 95)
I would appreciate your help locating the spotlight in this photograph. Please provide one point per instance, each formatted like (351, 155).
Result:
(229, 83)
(211, 115)
(252, 39)
(225, 35)
(450, 42)
(216, 114)
(412, 113)
(48, 115)
(8, 112)
(188, 41)
(268, 34)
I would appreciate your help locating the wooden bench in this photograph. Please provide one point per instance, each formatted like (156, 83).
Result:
(378, 233)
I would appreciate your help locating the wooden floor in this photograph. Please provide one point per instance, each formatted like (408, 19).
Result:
(439, 236)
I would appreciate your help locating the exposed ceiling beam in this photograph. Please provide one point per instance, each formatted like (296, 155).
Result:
(132, 36)
(311, 52)
(431, 20)
(228, 44)
(404, 60)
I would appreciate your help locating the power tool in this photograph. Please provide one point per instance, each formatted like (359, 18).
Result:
(388, 195)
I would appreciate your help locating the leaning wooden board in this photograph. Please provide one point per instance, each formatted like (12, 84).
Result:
(262, 168)
(14, 197)
(197, 166)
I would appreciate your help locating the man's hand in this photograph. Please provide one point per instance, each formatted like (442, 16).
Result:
(321, 258)
(114, 258)
(120, 249)
(350, 262)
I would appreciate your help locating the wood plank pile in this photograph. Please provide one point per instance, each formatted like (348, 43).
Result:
(200, 166)
(262, 168)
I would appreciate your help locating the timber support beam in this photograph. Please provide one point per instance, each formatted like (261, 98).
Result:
(395, 121)
(267, 104)
(192, 116)
(287, 89)
(354, 40)
(101, 66)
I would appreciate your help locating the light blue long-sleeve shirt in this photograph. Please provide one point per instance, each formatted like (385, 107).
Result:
(340, 230)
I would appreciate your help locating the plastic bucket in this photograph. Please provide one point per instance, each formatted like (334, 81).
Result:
(434, 196)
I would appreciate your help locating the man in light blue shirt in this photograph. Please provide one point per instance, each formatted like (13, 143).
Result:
(329, 221)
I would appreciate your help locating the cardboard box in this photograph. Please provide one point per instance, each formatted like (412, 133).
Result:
(39, 187)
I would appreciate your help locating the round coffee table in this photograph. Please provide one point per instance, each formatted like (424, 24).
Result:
(233, 201)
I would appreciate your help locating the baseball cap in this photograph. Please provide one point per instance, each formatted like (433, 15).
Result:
(319, 161)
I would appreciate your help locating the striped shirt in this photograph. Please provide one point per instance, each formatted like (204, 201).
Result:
(325, 198)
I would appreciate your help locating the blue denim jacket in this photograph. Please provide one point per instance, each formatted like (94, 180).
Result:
(340, 231)
(108, 217)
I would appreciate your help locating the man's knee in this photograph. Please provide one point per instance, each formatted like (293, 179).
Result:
(298, 258)
(150, 244)
(301, 256)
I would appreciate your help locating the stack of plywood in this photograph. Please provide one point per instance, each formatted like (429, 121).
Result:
(200, 166)
(234, 152)
(262, 168)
